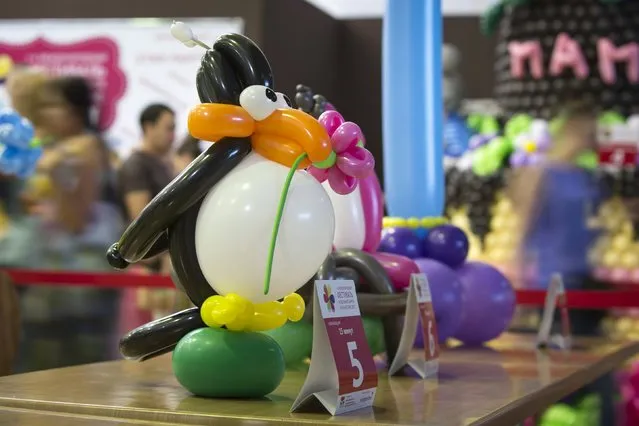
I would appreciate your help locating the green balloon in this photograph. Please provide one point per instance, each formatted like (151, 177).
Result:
(611, 118)
(296, 341)
(489, 126)
(498, 147)
(560, 415)
(474, 121)
(374, 331)
(588, 160)
(518, 124)
(218, 363)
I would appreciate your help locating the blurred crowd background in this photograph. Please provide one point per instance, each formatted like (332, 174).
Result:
(73, 208)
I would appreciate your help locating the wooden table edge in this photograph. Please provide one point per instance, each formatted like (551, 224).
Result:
(512, 413)
(83, 417)
(535, 402)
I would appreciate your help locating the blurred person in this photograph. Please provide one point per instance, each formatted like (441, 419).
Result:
(147, 170)
(79, 219)
(554, 202)
(188, 151)
(140, 178)
(22, 82)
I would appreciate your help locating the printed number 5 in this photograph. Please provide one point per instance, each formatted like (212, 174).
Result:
(431, 339)
(352, 347)
(618, 156)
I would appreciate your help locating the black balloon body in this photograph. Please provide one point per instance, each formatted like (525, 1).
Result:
(586, 22)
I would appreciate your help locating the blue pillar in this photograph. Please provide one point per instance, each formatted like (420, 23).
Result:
(413, 108)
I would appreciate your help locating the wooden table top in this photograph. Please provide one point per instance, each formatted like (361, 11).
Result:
(500, 385)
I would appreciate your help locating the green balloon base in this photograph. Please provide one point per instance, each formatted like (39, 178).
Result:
(296, 341)
(217, 363)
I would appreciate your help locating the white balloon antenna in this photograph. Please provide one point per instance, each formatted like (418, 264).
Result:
(184, 34)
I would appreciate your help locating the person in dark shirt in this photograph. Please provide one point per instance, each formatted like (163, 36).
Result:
(148, 170)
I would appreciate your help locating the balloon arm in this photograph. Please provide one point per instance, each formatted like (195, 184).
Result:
(160, 336)
(160, 246)
(182, 193)
(373, 207)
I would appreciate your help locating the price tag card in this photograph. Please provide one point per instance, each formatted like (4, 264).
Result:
(555, 297)
(618, 155)
(342, 374)
(419, 307)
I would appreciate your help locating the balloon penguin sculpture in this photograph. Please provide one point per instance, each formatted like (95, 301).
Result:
(358, 231)
(244, 225)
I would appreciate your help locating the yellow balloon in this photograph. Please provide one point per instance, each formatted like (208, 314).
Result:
(629, 259)
(610, 259)
(393, 222)
(412, 222)
(268, 316)
(243, 319)
(621, 242)
(492, 241)
(294, 307)
(206, 311)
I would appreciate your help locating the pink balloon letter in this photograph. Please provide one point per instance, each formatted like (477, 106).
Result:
(522, 51)
(567, 53)
(609, 55)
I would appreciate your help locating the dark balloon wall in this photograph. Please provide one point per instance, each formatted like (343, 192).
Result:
(339, 59)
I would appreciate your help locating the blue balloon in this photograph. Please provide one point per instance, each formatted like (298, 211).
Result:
(413, 108)
(10, 160)
(456, 136)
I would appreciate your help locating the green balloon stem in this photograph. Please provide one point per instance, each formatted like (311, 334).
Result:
(278, 221)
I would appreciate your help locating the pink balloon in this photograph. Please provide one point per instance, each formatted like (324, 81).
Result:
(398, 268)
(357, 162)
(320, 174)
(373, 206)
(331, 120)
(345, 137)
(340, 182)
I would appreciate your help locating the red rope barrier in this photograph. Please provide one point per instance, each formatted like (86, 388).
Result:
(574, 299)
(104, 280)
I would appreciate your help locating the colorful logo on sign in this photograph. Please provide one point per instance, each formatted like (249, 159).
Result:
(329, 298)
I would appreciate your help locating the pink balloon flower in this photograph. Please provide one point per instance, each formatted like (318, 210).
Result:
(353, 161)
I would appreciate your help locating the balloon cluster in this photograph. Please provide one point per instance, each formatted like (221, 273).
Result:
(19, 149)
(585, 413)
(310, 103)
(473, 301)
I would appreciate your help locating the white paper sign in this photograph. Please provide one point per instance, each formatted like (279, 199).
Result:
(419, 307)
(342, 375)
(556, 295)
(131, 62)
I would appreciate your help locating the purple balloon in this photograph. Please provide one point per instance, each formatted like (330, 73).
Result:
(488, 303)
(447, 244)
(518, 159)
(446, 291)
(402, 241)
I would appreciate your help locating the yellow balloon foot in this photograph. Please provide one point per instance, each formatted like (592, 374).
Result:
(239, 314)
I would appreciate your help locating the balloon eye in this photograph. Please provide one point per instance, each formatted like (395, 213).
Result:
(259, 101)
(283, 101)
